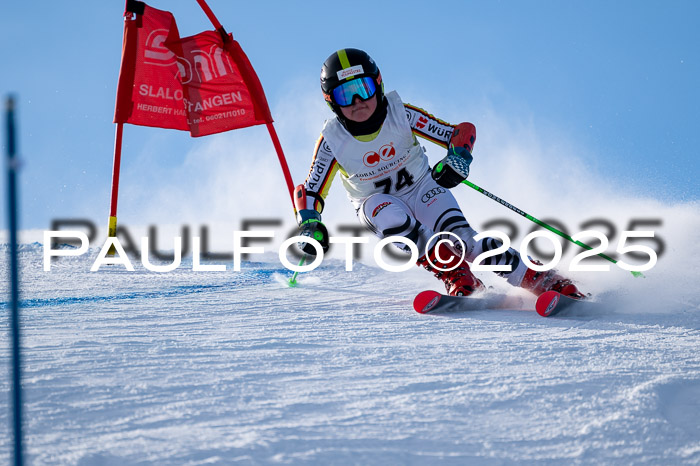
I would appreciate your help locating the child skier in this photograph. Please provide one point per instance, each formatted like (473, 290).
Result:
(372, 143)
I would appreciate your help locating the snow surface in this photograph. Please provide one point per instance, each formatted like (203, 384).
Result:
(189, 368)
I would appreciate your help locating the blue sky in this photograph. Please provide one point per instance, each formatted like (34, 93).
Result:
(618, 80)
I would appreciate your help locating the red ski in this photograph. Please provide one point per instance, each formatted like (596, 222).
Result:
(429, 301)
(550, 303)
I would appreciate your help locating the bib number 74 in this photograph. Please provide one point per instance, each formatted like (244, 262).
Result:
(403, 179)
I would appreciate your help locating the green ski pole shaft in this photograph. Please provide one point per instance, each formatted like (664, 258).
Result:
(539, 222)
(293, 280)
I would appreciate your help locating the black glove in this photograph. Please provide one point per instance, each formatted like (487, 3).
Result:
(454, 168)
(310, 225)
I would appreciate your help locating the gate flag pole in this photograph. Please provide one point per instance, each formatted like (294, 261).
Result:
(112, 228)
(12, 168)
(256, 90)
(123, 106)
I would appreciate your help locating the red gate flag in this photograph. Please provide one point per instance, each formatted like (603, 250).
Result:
(203, 84)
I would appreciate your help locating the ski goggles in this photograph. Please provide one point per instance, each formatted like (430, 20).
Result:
(346, 92)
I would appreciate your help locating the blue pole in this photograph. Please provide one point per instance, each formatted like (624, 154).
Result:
(12, 167)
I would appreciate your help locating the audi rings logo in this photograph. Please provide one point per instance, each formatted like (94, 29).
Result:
(386, 153)
(431, 194)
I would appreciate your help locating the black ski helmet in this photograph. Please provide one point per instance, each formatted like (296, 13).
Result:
(344, 65)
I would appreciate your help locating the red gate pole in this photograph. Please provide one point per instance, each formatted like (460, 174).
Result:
(112, 228)
(260, 103)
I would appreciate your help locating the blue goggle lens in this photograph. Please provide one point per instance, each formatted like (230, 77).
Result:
(346, 92)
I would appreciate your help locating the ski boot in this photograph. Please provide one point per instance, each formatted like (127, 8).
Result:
(550, 280)
(458, 282)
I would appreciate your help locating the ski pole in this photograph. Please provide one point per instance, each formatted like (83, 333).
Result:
(16, 367)
(293, 280)
(541, 223)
